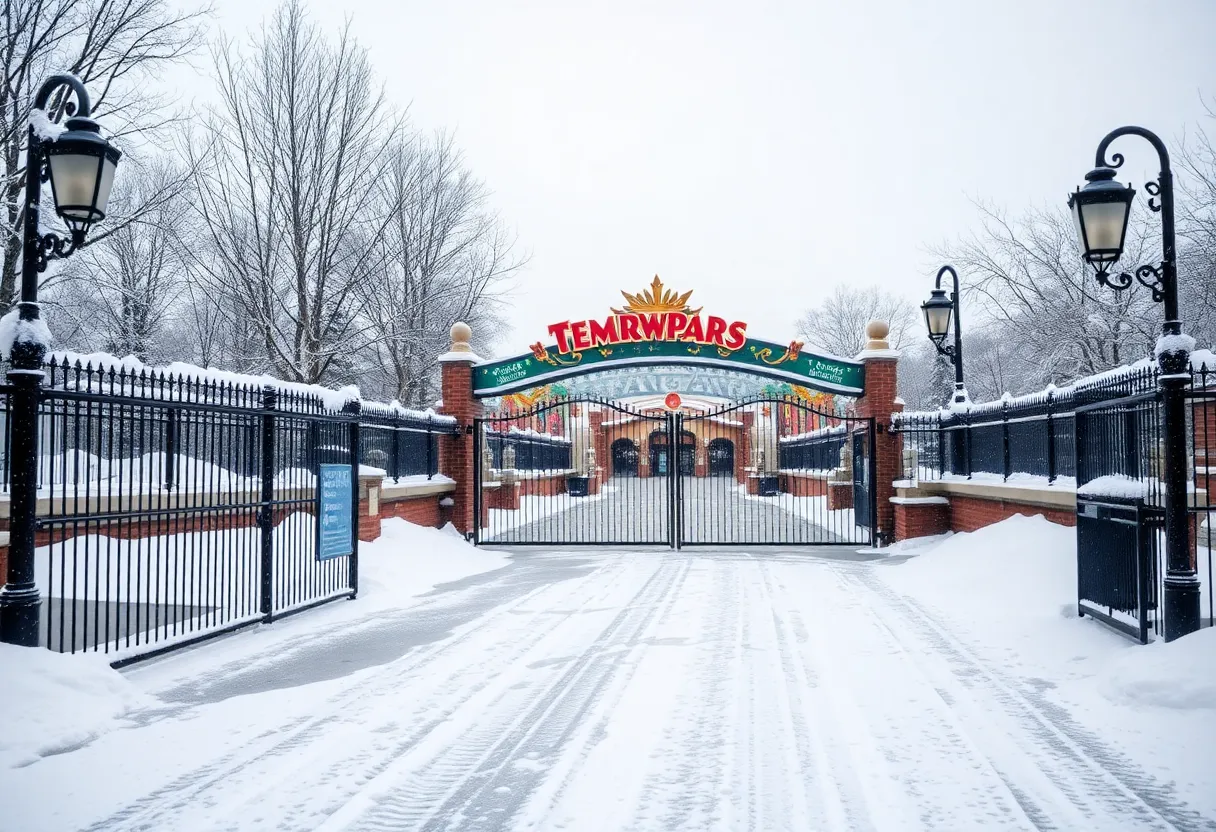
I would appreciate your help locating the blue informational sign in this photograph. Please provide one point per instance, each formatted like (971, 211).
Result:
(334, 530)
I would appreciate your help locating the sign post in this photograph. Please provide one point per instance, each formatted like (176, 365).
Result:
(334, 529)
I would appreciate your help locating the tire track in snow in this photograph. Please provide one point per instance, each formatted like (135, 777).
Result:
(1116, 790)
(182, 797)
(816, 744)
(439, 792)
(692, 767)
(964, 782)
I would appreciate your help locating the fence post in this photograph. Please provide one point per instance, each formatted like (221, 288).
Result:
(396, 456)
(20, 602)
(266, 516)
(1005, 439)
(430, 450)
(171, 443)
(1051, 438)
(355, 409)
(941, 447)
(967, 441)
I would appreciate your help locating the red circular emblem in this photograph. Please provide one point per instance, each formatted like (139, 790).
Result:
(672, 401)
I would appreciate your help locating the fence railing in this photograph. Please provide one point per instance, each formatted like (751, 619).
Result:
(1031, 435)
(173, 507)
(529, 450)
(818, 450)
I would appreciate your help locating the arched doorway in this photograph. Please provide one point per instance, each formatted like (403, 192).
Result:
(660, 456)
(721, 458)
(625, 458)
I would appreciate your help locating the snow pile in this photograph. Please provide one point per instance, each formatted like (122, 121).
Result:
(13, 329)
(1174, 343)
(137, 372)
(981, 573)
(1179, 675)
(53, 702)
(1115, 485)
(408, 559)
(834, 430)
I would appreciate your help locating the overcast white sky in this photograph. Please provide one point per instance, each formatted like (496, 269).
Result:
(762, 152)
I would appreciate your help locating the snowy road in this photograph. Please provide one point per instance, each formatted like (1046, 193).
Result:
(644, 690)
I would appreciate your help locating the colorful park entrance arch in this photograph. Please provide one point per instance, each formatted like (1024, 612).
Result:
(656, 328)
(575, 450)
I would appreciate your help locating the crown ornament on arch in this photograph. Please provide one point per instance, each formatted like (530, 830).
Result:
(657, 299)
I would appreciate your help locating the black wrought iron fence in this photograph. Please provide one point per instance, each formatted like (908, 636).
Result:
(529, 450)
(403, 443)
(816, 451)
(173, 507)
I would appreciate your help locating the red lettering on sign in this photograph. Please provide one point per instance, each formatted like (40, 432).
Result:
(629, 329)
(736, 336)
(579, 330)
(715, 331)
(560, 332)
(652, 327)
(695, 331)
(676, 321)
(604, 333)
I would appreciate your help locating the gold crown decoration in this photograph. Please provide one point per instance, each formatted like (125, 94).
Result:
(657, 299)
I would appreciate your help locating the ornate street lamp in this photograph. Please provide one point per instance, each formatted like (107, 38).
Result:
(938, 310)
(1101, 211)
(80, 166)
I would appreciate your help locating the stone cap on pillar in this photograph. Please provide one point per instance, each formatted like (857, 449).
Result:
(877, 345)
(460, 350)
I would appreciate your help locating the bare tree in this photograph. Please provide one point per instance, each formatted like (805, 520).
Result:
(1045, 303)
(1197, 233)
(287, 163)
(122, 293)
(446, 259)
(113, 46)
(838, 323)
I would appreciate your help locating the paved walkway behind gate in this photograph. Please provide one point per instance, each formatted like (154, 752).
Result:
(715, 511)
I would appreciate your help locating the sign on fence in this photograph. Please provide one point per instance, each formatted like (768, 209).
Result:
(334, 515)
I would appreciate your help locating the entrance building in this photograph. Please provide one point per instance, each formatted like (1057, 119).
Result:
(796, 463)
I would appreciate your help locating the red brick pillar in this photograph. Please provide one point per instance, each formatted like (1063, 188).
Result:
(881, 364)
(599, 439)
(458, 452)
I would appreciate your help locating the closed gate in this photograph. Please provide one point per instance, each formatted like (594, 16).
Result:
(1120, 519)
(585, 471)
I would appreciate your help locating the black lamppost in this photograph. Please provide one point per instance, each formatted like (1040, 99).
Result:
(80, 166)
(1101, 211)
(938, 309)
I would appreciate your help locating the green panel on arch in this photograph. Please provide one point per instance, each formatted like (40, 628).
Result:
(764, 358)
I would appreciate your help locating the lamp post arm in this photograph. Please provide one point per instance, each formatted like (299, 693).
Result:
(1163, 188)
(36, 247)
(64, 79)
(957, 298)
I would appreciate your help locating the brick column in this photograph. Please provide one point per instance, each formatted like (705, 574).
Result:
(599, 441)
(458, 452)
(881, 364)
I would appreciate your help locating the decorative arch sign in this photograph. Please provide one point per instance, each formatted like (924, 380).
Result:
(658, 327)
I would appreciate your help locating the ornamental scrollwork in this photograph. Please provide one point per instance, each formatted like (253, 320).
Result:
(53, 247)
(766, 355)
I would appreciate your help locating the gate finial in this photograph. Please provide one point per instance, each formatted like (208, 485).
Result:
(876, 335)
(462, 334)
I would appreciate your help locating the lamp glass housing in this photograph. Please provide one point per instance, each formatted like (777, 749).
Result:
(1100, 212)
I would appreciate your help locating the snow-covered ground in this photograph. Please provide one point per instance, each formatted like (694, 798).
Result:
(944, 684)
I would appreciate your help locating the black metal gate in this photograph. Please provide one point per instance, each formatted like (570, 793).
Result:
(770, 471)
(1120, 519)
